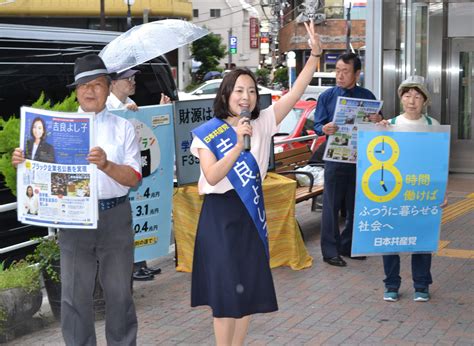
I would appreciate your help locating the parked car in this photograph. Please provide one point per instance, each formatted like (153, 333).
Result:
(321, 81)
(35, 59)
(299, 122)
(209, 90)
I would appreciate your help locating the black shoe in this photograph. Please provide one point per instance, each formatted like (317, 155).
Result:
(141, 275)
(335, 261)
(360, 258)
(151, 270)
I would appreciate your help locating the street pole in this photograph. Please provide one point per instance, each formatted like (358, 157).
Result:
(102, 14)
(228, 50)
(129, 15)
(349, 24)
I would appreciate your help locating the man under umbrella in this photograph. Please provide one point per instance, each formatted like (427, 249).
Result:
(122, 87)
(117, 156)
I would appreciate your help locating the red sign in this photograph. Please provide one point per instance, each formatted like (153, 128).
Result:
(253, 32)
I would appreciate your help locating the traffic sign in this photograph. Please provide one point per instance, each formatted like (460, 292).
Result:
(233, 45)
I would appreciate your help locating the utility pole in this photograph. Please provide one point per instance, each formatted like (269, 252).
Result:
(349, 25)
(102, 14)
(129, 4)
(228, 49)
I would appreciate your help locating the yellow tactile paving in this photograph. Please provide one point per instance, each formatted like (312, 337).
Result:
(457, 253)
(457, 209)
(442, 244)
(450, 213)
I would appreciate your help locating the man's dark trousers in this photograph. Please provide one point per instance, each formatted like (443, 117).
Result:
(112, 244)
(339, 190)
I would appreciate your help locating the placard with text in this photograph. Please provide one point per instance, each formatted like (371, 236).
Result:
(402, 173)
(56, 185)
(151, 200)
(189, 115)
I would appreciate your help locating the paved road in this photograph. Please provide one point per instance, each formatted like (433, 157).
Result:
(325, 304)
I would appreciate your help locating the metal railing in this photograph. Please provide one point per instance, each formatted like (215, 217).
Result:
(299, 139)
(12, 206)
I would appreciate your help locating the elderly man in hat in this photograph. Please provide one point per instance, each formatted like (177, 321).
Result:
(117, 156)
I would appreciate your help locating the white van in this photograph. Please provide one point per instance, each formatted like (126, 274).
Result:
(320, 82)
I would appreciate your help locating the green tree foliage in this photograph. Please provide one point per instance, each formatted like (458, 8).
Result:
(263, 75)
(208, 50)
(9, 140)
(281, 76)
(10, 135)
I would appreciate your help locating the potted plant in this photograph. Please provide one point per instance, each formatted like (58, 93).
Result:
(47, 255)
(20, 298)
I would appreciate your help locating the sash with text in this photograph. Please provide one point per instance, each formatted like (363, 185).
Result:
(244, 175)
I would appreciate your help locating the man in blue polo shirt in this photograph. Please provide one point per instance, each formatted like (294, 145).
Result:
(339, 178)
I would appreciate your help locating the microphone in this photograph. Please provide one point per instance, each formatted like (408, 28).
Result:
(245, 113)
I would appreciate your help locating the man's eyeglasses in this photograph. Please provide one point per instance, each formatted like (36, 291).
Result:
(130, 79)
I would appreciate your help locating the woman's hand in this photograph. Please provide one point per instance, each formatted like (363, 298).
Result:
(445, 202)
(17, 157)
(384, 122)
(314, 41)
(243, 128)
(375, 118)
(284, 105)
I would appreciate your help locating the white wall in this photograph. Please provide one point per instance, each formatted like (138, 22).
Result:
(232, 16)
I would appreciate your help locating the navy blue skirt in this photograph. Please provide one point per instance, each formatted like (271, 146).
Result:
(231, 272)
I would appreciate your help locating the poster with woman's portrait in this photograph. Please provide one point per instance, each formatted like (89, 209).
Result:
(348, 114)
(56, 184)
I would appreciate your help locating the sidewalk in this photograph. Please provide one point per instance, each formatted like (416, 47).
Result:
(325, 304)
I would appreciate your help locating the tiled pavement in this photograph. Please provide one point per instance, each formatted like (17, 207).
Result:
(323, 304)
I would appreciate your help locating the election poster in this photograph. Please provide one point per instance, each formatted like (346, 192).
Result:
(348, 115)
(402, 173)
(151, 200)
(189, 115)
(56, 186)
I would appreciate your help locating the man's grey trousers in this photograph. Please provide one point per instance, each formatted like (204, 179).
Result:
(112, 245)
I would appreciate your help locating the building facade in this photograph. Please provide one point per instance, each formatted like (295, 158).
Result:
(434, 39)
(236, 21)
(86, 14)
(332, 26)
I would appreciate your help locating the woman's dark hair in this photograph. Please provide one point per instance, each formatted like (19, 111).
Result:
(348, 57)
(221, 102)
(43, 137)
(406, 89)
(28, 189)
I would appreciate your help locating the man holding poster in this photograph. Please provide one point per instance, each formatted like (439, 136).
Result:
(117, 157)
(339, 178)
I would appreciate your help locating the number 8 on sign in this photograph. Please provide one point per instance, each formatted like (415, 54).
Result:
(377, 152)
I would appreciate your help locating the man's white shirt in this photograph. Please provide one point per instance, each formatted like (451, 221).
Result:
(114, 103)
